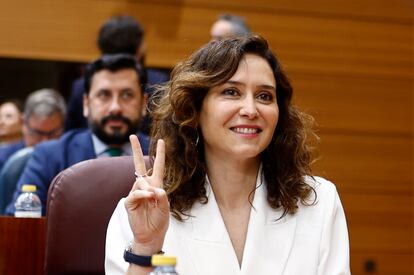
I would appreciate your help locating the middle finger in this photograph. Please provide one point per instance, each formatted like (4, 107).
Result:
(159, 162)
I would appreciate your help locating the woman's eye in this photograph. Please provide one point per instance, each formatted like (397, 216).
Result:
(230, 92)
(265, 97)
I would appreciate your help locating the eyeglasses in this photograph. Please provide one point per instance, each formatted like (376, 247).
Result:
(48, 134)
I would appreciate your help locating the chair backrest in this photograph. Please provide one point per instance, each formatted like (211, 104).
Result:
(80, 202)
(9, 176)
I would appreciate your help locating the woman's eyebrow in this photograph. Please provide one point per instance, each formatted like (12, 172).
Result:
(265, 86)
(269, 87)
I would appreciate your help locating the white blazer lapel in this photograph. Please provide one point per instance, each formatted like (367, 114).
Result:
(209, 244)
(268, 244)
(269, 239)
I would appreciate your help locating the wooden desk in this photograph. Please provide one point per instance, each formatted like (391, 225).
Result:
(22, 245)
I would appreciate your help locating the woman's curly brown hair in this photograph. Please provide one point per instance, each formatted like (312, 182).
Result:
(286, 161)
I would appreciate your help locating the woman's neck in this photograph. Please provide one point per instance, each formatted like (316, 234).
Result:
(232, 181)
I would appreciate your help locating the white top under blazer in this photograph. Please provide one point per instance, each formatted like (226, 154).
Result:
(314, 241)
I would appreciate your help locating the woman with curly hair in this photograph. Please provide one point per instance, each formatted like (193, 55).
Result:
(231, 190)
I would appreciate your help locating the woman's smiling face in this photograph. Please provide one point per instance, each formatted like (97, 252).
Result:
(238, 118)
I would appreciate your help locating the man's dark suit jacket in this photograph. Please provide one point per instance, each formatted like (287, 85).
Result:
(51, 157)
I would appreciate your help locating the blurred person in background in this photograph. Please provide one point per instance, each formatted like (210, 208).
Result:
(43, 116)
(11, 121)
(119, 34)
(113, 105)
(229, 25)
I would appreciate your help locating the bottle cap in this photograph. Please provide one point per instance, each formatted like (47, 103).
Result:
(157, 260)
(29, 188)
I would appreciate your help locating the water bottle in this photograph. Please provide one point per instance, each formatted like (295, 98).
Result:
(28, 204)
(164, 265)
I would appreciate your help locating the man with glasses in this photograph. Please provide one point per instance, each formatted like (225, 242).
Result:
(43, 117)
(113, 103)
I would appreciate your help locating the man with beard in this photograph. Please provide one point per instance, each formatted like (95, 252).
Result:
(113, 104)
(118, 34)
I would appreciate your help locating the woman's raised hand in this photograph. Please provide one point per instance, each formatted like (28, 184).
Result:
(147, 203)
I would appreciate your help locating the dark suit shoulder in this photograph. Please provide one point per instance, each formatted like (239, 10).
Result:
(157, 76)
(70, 137)
(12, 147)
(144, 140)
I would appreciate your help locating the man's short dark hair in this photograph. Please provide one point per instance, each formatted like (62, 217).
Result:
(114, 63)
(120, 34)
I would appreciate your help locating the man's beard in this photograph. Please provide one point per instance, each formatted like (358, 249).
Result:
(116, 137)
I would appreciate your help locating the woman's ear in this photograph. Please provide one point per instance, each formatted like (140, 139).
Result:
(144, 105)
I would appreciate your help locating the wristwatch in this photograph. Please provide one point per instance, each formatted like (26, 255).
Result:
(137, 259)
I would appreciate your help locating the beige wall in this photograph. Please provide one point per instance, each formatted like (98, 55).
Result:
(351, 63)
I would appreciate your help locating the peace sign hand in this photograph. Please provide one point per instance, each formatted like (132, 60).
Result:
(147, 203)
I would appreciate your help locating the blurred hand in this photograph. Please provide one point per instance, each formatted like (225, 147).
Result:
(147, 203)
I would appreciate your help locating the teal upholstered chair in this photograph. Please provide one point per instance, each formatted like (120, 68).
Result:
(10, 174)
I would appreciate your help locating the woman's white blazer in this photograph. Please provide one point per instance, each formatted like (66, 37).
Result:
(312, 241)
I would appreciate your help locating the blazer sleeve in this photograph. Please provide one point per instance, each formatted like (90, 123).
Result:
(334, 249)
(118, 236)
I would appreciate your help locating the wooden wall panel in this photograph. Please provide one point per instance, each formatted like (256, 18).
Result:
(399, 10)
(66, 30)
(379, 223)
(366, 164)
(338, 46)
(384, 263)
(356, 104)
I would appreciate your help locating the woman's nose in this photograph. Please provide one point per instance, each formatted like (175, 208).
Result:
(249, 109)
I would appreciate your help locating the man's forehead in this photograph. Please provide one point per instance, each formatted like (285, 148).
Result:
(121, 77)
(121, 73)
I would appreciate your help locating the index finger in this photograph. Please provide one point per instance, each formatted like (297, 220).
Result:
(139, 162)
